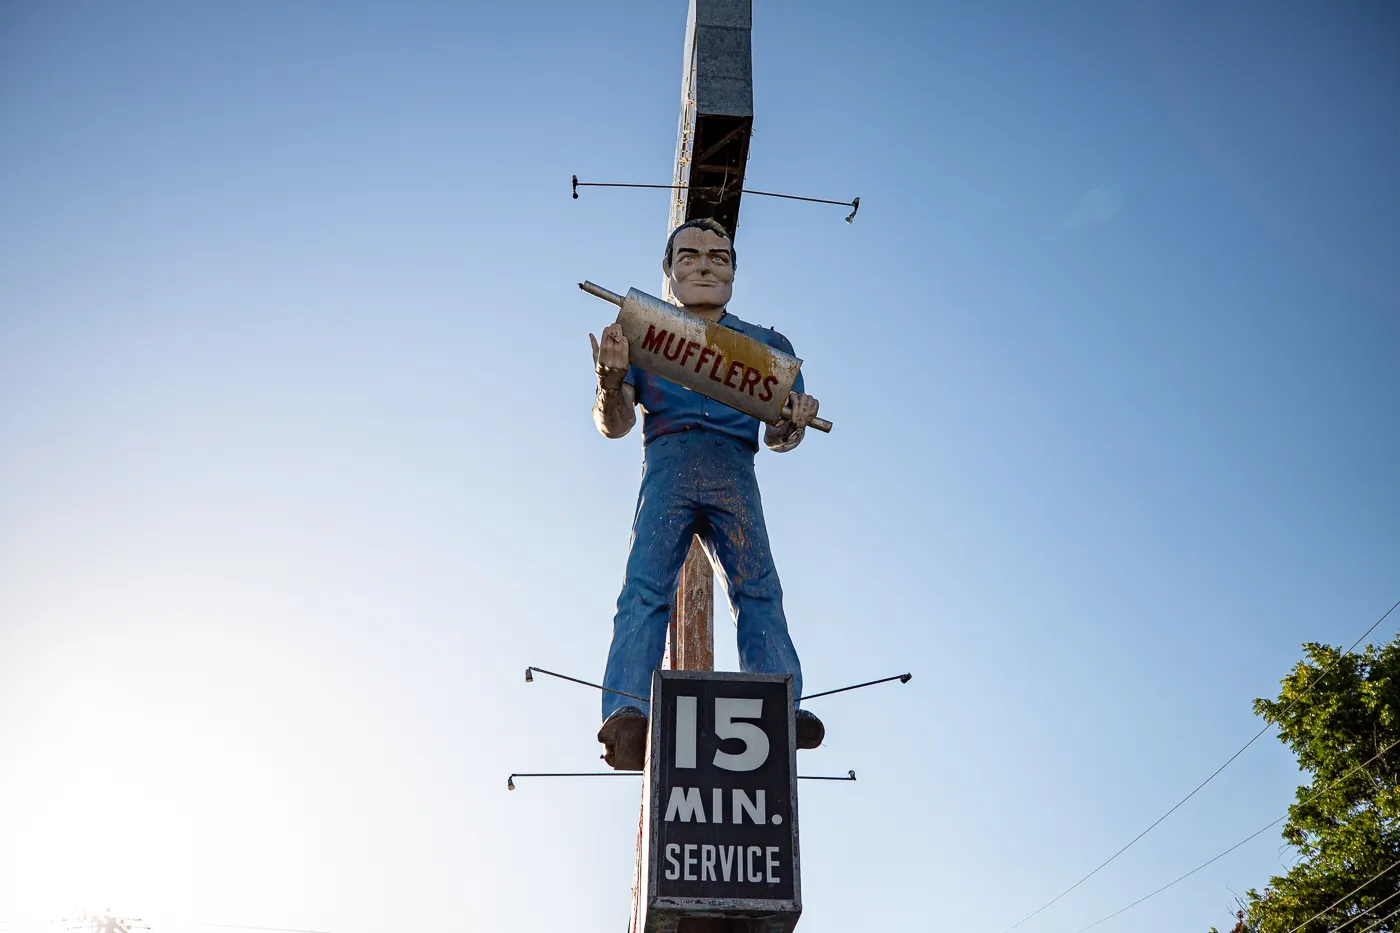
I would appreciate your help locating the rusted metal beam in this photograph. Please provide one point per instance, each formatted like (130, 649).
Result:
(716, 118)
(719, 144)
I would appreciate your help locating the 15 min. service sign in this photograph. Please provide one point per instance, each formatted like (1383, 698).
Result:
(722, 798)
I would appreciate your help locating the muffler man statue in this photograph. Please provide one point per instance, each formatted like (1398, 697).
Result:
(697, 479)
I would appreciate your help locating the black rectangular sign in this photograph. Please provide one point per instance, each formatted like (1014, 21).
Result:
(722, 796)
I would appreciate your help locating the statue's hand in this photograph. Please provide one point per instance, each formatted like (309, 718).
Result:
(610, 357)
(804, 409)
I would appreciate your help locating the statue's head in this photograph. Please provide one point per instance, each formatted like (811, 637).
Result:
(700, 262)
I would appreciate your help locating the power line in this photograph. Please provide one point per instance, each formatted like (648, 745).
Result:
(1253, 835)
(1365, 912)
(1212, 777)
(1344, 897)
(1380, 921)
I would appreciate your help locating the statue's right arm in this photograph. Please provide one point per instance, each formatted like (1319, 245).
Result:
(614, 409)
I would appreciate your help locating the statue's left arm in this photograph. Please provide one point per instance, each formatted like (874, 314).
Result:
(784, 435)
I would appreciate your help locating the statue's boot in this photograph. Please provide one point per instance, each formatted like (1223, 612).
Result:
(624, 738)
(810, 730)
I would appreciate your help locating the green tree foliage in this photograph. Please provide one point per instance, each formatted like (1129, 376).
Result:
(1345, 825)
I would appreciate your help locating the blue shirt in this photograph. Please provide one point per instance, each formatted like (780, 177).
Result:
(668, 408)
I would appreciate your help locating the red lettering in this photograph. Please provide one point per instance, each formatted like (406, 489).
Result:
(750, 379)
(719, 358)
(700, 363)
(735, 368)
(667, 352)
(690, 347)
(768, 389)
(654, 339)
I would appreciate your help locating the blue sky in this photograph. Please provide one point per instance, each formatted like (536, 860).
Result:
(298, 472)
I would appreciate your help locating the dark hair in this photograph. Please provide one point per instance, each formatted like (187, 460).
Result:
(700, 223)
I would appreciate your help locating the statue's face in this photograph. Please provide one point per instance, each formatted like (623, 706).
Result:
(702, 269)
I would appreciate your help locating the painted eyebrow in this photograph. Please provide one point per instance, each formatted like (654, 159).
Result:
(687, 249)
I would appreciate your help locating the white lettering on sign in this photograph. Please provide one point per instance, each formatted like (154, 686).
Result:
(690, 861)
(685, 803)
(685, 731)
(755, 753)
(741, 746)
(726, 861)
(723, 863)
(756, 811)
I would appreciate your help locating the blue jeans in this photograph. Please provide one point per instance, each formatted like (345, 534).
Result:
(701, 483)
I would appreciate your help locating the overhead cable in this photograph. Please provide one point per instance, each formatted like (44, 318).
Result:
(1309, 799)
(1344, 896)
(1363, 913)
(1212, 777)
(1380, 921)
